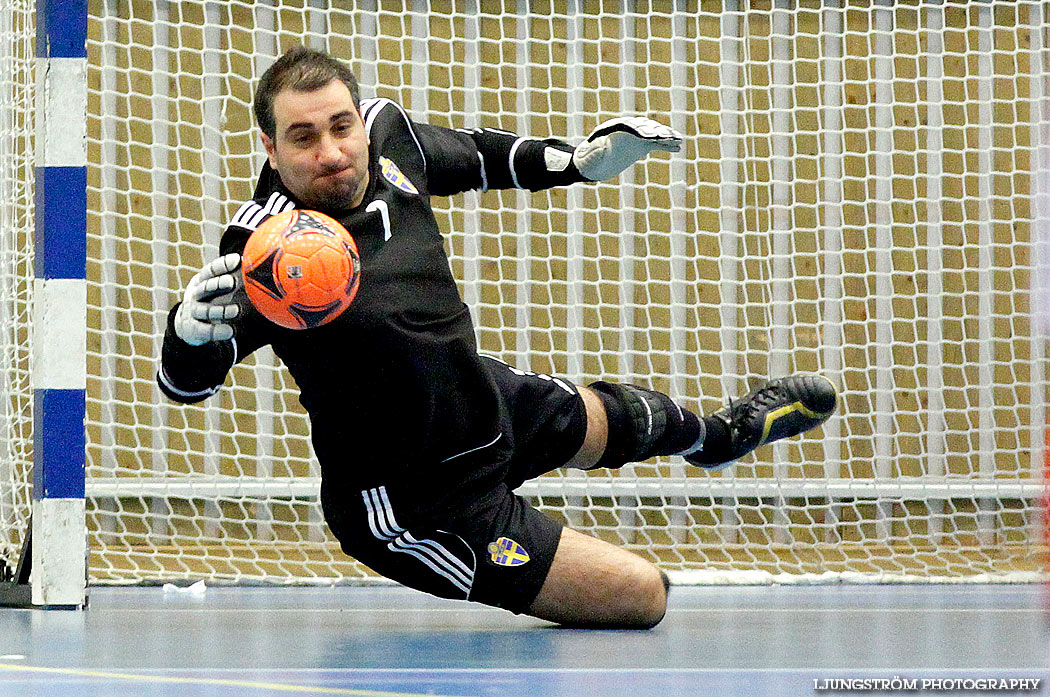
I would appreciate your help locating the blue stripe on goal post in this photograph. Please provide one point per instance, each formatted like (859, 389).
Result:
(59, 334)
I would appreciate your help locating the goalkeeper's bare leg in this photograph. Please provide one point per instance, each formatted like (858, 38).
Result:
(594, 583)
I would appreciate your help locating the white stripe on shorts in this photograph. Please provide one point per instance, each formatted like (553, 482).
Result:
(437, 557)
(437, 564)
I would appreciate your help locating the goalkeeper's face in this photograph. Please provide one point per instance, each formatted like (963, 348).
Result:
(320, 147)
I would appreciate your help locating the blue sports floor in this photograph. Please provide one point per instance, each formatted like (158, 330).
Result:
(394, 642)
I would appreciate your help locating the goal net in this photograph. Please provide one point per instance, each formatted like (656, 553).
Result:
(16, 277)
(858, 195)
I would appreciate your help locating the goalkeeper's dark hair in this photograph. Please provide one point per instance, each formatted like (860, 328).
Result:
(303, 70)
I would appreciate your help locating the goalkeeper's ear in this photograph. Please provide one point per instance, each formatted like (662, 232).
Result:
(271, 149)
(618, 143)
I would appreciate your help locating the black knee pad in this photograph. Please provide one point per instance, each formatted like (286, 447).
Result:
(643, 423)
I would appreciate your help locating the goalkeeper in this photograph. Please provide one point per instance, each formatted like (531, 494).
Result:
(421, 440)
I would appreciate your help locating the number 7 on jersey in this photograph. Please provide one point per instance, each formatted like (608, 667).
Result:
(384, 212)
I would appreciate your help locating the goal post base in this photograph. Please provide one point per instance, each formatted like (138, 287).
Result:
(59, 553)
(16, 586)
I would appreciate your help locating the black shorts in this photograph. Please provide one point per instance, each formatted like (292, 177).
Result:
(492, 547)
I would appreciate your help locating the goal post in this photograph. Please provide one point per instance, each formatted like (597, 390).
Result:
(45, 312)
(59, 356)
(857, 196)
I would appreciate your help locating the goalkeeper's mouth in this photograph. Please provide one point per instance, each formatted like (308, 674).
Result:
(345, 172)
(344, 181)
(337, 190)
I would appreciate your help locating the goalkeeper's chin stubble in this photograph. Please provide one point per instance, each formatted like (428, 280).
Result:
(336, 198)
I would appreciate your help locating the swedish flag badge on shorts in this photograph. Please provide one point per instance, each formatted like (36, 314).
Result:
(396, 177)
(507, 552)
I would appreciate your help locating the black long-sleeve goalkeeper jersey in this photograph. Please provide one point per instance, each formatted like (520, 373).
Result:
(394, 387)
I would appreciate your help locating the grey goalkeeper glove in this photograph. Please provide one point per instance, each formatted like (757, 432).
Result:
(618, 143)
(208, 304)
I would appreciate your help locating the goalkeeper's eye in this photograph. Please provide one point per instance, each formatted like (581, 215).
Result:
(300, 136)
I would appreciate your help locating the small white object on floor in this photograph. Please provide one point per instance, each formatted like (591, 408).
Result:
(197, 589)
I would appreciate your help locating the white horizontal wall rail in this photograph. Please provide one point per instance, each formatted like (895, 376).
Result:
(901, 488)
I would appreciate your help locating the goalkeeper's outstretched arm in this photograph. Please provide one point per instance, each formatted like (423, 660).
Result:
(487, 158)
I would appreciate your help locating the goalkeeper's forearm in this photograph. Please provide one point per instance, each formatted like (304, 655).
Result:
(487, 159)
(189, 374)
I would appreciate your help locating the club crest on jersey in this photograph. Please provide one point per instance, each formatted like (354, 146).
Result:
(507, 552)
(394, 175)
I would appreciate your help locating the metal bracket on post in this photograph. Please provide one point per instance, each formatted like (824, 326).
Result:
(15, 591)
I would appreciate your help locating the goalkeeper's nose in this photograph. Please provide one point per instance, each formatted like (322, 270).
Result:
(330, 156)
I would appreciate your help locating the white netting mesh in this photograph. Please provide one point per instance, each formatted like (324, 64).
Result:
(16, 272)
(855, 197)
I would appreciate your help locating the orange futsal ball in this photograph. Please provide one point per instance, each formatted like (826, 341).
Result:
(301, 269)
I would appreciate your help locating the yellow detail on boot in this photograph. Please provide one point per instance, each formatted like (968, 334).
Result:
(784, 411)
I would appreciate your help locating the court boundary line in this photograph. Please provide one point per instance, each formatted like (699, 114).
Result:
(590, 670)
(215, 682)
